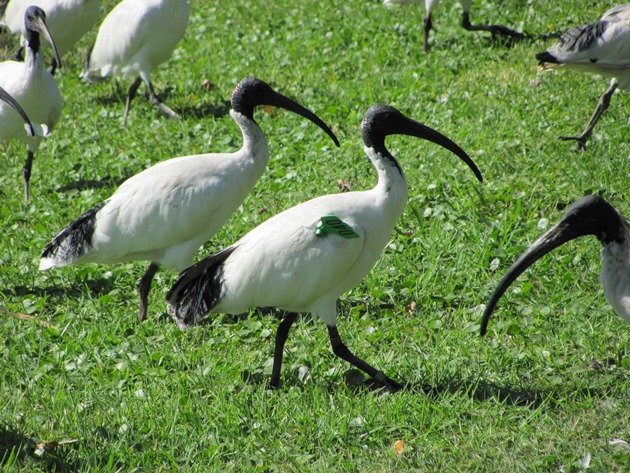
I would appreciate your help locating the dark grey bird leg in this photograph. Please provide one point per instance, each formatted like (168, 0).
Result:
(133, 90)
(494, 29)
(53, 67)
(26, 172)
(428, 25)
(144, 286)
(602, 105)
(19, 54)
(342, 351)
(281, 338)
(157, 102)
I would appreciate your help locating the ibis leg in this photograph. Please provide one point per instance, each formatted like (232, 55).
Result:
(26, 172)
(602, 105)
(53, 67)
(494, 29)
(281, 338)
(342, 351)
(144, 286)
(157, 102)
(133, 90)
(428, 25)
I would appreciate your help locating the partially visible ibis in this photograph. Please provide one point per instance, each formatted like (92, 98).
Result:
(303, 259)
(133, 39)
(166, 212)
(590, 215)
(68, 20)
(33, 87)
(602, 47)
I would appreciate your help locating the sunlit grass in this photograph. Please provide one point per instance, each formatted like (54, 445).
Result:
(547, 388)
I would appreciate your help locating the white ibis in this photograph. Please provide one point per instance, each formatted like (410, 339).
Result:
(303, 259)
(166, 212)
(68, 20)
(590, 215)
(33, 87)
(602, 47)
(429, 6)
(135, 38)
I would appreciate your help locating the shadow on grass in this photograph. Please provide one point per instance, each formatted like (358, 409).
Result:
(83, 184)
(96, 287)
(18, 450)
(205, 109)
(480, 390)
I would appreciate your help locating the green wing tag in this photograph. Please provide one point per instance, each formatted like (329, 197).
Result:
(335, 226)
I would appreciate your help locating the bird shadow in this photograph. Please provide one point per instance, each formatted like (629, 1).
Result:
(23, 450)
(482, 391)
(83, 184)
(205, 109)
(96, 287)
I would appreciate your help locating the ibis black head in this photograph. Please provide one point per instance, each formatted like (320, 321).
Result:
(590, 215)
(383, 120)
(35, 22)
(6, 97)
(252, 92)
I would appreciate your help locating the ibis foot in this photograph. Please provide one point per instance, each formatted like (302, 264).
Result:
(581, 141)
(342, 351)
(602, 105)
(157, 102)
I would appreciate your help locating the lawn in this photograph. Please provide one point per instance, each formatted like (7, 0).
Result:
(86, 387)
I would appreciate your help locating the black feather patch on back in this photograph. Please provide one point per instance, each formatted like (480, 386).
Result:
(198, 289)
(583, 37)
(74, 240)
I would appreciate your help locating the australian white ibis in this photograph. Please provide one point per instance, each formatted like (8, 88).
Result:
(68, 20)
(429, 6)
(33, 87)
(166, 212)
(590, 215)
(602, 47)
(304, 258)
(135, 38)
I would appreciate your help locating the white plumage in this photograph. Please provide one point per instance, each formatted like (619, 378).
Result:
(602, 47)
(590, 215)
(133, 39)
(34, 88)
(68, 20)
(284, 263)
(166, 212)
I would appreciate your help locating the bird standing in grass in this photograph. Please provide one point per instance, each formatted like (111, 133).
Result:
(602, 47)
(429, 6)
(68, 21)
(304, 258)
(166, 212)
(133, 39)
(590, 215)
(33, 87)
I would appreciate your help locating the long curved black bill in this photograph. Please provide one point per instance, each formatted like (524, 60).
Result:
(40, 25)
(279, 100)
(5, 96)
(552, 239)
(414, 128)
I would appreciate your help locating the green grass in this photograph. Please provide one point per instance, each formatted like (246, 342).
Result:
(149, 397)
